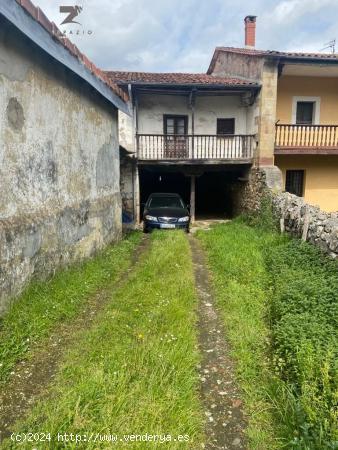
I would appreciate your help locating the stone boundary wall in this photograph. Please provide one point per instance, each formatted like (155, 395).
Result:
(307, 222)
(260, 183)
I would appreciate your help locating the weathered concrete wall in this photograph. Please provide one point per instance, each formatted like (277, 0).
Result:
(59, 166)
(207, 110)
(126, 133)
(238, 65)
(308, 222)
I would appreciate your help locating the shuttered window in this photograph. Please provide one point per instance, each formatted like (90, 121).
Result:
(305, 112)
(225, 126)
(294, 182)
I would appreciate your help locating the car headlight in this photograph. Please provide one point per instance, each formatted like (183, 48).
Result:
(152, 218)
(184, 219)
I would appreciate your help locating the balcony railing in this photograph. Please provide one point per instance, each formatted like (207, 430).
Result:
(306, 137)
(195, 147)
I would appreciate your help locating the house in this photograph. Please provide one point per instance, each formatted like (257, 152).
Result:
(298, 114)
(207, 135)
(59, 152)
(203, 135)
(190, 133)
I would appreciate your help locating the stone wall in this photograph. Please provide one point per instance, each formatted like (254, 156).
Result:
(296, 217)
(59, 166)
(308, 222)
(258, 184)
(127, 181)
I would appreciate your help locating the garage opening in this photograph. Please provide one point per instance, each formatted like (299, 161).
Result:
(155, 180)
(215, 194)
(216, 190)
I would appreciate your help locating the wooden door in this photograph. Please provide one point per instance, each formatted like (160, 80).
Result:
(176, 140)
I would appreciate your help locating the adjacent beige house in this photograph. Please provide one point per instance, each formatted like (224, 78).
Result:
(298, 118)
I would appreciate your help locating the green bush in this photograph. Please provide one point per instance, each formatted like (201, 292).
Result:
(265, 217)
(304, 324)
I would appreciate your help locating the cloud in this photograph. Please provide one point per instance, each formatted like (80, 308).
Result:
(180, 35)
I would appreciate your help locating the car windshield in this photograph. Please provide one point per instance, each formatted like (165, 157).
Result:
(165, 202)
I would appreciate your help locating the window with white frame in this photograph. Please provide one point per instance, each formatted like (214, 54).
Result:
(306, 110)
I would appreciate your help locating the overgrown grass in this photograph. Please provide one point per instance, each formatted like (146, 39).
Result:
(280, 303)
(134, 371)
(304, 323)
(240, 281)
(45, 304)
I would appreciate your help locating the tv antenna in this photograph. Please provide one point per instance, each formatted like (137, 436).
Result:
(331, 44)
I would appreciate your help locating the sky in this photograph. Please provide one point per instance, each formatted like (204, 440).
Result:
(181, 35)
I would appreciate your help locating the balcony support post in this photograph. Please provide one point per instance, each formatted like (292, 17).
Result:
(192, 197)
(137, 196)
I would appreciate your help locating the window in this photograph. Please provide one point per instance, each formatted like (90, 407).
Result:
(166, 202)
(175, 124)
(305, 113)
(306, 110)
(294, 182)
(225, 126)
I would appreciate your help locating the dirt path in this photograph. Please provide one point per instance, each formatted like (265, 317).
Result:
(225, 422)
(32, 376)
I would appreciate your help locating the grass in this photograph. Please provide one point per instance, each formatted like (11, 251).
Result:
(279, 302)
(134, 371)
(240, 281)
(304, 324)
(45, 304)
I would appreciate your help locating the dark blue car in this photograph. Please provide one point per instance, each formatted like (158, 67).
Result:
(165, 211)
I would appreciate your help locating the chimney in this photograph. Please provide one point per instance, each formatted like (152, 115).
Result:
(250, 31)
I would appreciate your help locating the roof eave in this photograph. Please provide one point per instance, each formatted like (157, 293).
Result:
(190, 86)
(26, 24)
(212, 62)
(307, 60)
(274, 57)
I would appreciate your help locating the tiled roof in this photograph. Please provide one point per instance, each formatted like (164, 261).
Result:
(176, 78)
(255, 52)
(54, 31)
(272, 54)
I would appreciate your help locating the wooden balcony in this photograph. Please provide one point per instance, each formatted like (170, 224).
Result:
(306, 139)
(195, 148)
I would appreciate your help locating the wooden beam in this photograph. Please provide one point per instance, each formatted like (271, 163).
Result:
(137, 196)
(192, 197)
